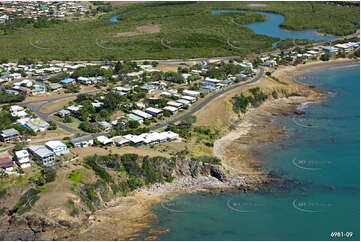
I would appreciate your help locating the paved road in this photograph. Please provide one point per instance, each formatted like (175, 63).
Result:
(45, 116)
(208, 100)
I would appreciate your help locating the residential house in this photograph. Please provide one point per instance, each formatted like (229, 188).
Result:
(121, 90)
(9, 135)
(43, 154)
(184, 102)
(344, 47)
(84, 80)
(18, 111)
(83, 141)
(67, 81)
(38, 89)
(55, 86)
(62, 113)
(22, 158)
(192, 93)
(171, 136)
(134, 117)
(155, 112)
(142, 114)
(140, 105)
(171, 109)
(189, 98)
(97, 105)
(74, 108)
(120, 141)
(57, 147)
(166, 94)
(105, 125)
(14, 76)
(330, 50)
(175, 104)
(6, 163)
(269, 63)
(208, 82)
(104, 140)
(134, 140)
(37, 125)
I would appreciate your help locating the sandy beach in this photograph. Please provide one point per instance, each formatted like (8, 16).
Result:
(129, 218)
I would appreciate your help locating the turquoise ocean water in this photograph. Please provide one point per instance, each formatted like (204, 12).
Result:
(318, 166)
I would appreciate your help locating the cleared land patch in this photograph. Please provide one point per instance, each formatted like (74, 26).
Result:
(145, 29)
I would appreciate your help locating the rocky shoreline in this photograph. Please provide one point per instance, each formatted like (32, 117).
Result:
(126, 218)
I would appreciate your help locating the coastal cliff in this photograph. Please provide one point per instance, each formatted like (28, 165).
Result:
(122, 217)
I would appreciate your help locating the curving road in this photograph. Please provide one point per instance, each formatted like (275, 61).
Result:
(45, 116)
(208, 100)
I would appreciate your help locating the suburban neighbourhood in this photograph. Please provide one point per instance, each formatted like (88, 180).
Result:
(189, 120)
(119, 103)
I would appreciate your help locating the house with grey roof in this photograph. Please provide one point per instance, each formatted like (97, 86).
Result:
(43, 154)
(62, 113)
(83, 141)
(9, 134)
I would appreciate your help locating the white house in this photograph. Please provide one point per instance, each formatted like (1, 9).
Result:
(191, 93)
(83, 141)
(154, 111)
(170, 109)
(57, 147)
(104, 140)
(189, 98)
(175, 104)
(134, 140)
(142, 114)
(22, 158)
(184, 102)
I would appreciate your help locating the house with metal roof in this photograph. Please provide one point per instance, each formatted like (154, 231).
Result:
(104, 140)
(43, 154)
(171, 109)
(193, 93)
(22, 158)
(9, 134)
(142, 114)
(62, 113)
(59, 148)
(67, 81)
(37, 125)
(134, 117)
(6, 164)
(155, 112)
(134, 140)
(120, 141)
(83, 141)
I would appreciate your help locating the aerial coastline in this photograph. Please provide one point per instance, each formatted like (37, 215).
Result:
(228, 149)
(179, 120)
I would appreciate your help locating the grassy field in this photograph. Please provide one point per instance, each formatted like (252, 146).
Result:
(187, 30)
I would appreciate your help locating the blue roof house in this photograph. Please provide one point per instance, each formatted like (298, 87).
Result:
(67, 81)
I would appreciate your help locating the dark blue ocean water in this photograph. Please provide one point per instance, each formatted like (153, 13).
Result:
(318, 166)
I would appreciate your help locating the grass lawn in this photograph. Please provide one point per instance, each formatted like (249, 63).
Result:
(73, 125)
